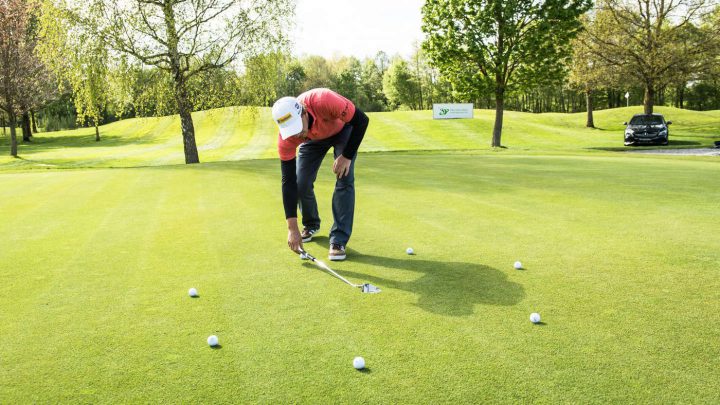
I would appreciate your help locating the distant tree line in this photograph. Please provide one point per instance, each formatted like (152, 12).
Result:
(102, 60)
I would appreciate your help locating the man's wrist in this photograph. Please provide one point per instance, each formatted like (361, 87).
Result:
(292, 224)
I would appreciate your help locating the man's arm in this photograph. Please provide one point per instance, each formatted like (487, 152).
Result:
(359, 124)
(290, 198)
(289, 187)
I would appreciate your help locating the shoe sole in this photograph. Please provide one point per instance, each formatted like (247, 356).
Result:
(337, 258)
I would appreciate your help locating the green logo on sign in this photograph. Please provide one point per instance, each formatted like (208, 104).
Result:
(444, 111)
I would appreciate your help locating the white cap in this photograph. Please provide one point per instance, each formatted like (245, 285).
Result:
(287, 113)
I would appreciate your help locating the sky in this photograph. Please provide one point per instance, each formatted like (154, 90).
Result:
(357, 28)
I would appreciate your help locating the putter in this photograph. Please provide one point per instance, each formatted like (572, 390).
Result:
(366, 288)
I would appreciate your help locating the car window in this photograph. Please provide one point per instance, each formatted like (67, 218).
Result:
(646, 120)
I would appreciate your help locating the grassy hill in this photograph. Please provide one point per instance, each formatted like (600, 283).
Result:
(232, 134)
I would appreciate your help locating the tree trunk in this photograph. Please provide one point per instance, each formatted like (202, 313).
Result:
(2, 123)
(25, 124)
(33, 121)
(420, 90)
(649, 100)
(13, 136)
(181, 94)
(681, 95)
(97, 131)
(589, 102)
(661, 96)
(499, 108)
(186, 122)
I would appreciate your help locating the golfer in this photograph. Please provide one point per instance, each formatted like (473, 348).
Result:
(316, 121)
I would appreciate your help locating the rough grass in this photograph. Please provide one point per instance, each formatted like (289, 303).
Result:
(620, 252)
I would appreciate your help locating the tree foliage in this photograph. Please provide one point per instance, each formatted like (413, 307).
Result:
(659, 39)
(490, 43)
(23, 78)
(188, 38)
(399, 85)
(78, 58)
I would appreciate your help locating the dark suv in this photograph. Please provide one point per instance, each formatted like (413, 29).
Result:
(647, 128)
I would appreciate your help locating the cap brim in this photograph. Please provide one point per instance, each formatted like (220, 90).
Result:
(293, 128)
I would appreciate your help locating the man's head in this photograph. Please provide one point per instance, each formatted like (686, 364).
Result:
(289, 115)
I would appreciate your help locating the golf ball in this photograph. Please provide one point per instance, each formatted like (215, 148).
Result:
(409, 251)
(193, 292)
(535, 317)
(517, 265)
(359, 363)
(213, 340)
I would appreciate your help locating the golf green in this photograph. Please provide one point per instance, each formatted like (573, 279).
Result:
(621, 257)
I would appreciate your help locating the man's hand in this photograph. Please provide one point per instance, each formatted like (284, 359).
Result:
(295, 241)
(294, 238)
(341, 166)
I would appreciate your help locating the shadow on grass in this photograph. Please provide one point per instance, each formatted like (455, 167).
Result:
(649, 146)
(41, 142)
(445, 288)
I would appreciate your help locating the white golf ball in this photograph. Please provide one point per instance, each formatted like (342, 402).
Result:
(517, 265)
(212, 340)
(359, 363)
(535, 317)
(193, 292)
(409, 251)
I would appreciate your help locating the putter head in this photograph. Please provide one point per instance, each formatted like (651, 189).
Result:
(369, 288)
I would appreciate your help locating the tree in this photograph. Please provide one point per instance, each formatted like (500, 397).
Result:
(371, 80)
(399, 86)
(658, 38)
(79, 59)
(215, 88)
(186, 38)
(263, 78)
(486, 43)
(317, 72)
(418, 67)
(588, 73)
(294, 78)
(347, 74)
(17, 65)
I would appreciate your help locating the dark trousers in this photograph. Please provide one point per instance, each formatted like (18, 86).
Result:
(310, 156)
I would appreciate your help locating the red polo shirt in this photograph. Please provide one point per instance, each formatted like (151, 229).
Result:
(330, 112)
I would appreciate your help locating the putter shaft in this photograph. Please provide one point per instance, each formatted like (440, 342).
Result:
(366, 288)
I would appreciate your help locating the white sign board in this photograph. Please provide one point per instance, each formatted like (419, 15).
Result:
(447, 111)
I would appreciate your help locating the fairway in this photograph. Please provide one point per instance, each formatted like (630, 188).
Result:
(620, 253)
